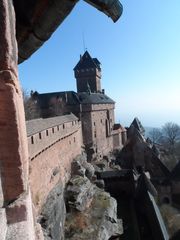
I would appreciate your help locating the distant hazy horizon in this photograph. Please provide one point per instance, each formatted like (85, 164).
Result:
(140, 57)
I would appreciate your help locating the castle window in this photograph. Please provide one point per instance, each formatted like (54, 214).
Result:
(74, 139)
(63, 126)
(69, 142)
(58, 128)
(39, 135)
(32, 140)
(47, 133)
(101, 121)
(95, 134)
(94, 124)
(52, 130)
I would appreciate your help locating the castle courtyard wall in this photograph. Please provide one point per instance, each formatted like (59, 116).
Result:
(99, 125)
(51, 157)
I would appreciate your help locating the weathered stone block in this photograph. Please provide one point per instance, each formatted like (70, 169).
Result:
(53, 214)
(79, 193)
(3, 224)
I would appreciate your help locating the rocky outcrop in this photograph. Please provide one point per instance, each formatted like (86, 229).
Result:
(89, 212)
(92, 212)
(80, 193)
(98, 220)
(53, 214)
(81, 167)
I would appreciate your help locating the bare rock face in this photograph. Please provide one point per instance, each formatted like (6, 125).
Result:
(53, 215)
(92, 212)
(79, 193)
(97, 222)
(81, 167)
(78, 169)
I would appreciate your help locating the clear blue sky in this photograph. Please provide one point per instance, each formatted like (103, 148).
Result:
(140, 57)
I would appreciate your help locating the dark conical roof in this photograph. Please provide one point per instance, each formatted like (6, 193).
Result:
(137, 124)
(86, 61)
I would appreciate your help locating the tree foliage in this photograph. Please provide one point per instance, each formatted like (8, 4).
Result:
(155, 135)
(31, 107)
(171, 134)
(168, 139)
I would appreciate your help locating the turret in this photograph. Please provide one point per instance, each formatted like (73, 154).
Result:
(88, 73)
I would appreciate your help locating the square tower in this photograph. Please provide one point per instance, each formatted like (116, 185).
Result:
(88, 74)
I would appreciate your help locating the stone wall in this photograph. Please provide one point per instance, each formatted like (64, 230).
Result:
(98, 121)
(42, 140)
(51, 153)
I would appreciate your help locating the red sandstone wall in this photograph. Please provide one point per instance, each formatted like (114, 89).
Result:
(99, 121)
(52, 164)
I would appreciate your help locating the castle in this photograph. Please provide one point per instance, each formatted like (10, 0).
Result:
(101, 135)
(28, 178)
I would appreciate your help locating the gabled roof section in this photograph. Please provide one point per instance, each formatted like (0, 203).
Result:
(69, 97)
(94, 98)
(137, 124)
(86, 61)
(73, 98)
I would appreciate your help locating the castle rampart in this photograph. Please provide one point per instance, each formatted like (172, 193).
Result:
(53, 144)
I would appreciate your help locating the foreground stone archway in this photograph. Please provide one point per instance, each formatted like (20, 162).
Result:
(16, 200)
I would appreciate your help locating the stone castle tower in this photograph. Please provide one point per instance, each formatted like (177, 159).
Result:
(88, 74)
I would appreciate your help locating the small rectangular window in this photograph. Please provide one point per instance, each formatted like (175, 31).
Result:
(32, 140)
(39, 135)
(47, 133)
(63, 126)
(52, 130)
(58, 127)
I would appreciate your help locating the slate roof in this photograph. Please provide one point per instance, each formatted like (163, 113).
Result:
(137, 124)
(94, 98)
(119, 126)
(37, 125)
(69, 97)
(73, 98)
(86, 62)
